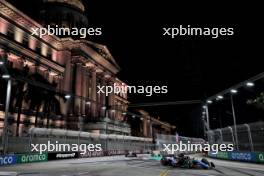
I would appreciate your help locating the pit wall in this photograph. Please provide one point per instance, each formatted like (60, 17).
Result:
(252, 157)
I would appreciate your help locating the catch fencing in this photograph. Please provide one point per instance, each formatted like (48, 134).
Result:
(116, 144)
(246, 137)
(162, 139)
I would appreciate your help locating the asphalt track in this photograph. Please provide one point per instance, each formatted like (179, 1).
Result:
(121, 166)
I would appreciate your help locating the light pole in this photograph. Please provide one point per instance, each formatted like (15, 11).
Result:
(3, 61)
(5, 130)
(207, 117)
(234, 119)
(105, 115)
(231, 130)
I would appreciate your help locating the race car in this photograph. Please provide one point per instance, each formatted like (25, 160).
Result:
(167, 160)
(186, 162)
(130, 154)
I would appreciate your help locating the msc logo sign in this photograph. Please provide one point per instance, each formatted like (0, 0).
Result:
(7, 160)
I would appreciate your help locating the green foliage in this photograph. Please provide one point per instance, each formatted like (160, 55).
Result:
(258, 101)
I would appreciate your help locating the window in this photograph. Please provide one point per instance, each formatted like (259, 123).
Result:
(10, 35)
(49, 54)
(38, 50)
(25, 42)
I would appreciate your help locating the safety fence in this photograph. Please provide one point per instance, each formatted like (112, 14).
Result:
(110, 145)
(162, 139)
(108, 142)
(245, 137)
(11, 159)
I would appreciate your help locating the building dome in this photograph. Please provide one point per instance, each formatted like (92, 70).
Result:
(74, 3)
(64, 13)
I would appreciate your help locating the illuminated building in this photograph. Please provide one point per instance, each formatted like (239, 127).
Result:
(56, 78)
(145, 125)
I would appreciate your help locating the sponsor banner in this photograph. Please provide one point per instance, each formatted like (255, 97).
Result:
(212, 154)
(260, 157)
(222, 155)
(108, 153)
(32, 158)
(93, 154)
(63, 155)
(8, 159)
(115, 152)
(242, 156)
(256, 157)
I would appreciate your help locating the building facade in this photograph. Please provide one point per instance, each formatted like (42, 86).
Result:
(55, 79)
(149, 127)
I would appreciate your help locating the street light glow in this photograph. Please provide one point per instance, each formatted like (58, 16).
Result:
(220, 97)
(6, 76)
(67, 96)
(133, 116)
(209, 101)
(88, 102)
(250, 84)
(233, 91)
(103, 107)
(204, 107)
(1, 63)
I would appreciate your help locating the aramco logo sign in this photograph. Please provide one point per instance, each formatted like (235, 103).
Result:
(260, 157)
(8, 160)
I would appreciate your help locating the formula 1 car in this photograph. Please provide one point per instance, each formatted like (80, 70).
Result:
(130, 154)
(186, 162)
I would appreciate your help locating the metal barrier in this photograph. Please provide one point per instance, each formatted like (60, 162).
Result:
(173, 139)
(109, 142)
(250, 137)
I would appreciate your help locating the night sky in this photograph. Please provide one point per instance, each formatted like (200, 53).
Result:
(191, 67)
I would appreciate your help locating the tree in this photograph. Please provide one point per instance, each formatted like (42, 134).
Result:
(19, 93)
(38, 97)
(258, 101)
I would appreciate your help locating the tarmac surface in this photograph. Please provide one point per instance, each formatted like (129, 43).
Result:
(122, 166)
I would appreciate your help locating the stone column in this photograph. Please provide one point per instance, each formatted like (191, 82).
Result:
(78, 89)
(103, 99)
(84, 89)
(67, 83)
(93, 94)
(150, 128)
(145, 128)
(111, 103)
(68, 75)
(88, 95)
